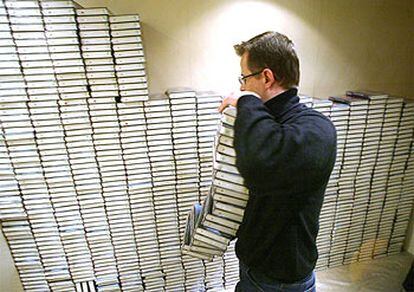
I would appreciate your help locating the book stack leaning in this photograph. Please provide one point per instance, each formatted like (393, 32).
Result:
(213, 224)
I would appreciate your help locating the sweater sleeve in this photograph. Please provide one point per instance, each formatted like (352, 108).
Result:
(292, 156)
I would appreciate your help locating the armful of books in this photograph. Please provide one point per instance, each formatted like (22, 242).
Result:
(211, 226)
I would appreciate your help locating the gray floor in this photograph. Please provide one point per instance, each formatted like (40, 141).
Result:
(386, 274)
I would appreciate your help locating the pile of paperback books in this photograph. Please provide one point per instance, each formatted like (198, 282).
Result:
(212, 225)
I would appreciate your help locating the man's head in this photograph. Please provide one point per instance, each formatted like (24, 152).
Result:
(269, 64)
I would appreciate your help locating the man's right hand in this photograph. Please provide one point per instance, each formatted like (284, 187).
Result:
(233, 98)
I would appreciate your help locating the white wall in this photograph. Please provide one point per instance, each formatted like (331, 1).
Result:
(341, 45)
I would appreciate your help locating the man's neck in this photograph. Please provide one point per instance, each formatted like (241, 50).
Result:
(272, 93)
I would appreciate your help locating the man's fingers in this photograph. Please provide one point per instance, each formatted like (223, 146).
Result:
(223, 105)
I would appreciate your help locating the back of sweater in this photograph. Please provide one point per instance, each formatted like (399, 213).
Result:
(285, 153)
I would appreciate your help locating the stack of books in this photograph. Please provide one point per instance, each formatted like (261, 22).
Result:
(214, 274)
(231, 267)
(383, 167)
(328, 209)
(371, 177)
(229, 201)
(135, 168)
(185, 144)
(13, 113)
(56, 223)
(192, 261)
(162, 165)
(222, 211)
(128, 53)
(75, 179)
(365, 174)
(208, 119)
(110, 184)
(339, 201)
(184, 138)
(349, 186)
(402, 173)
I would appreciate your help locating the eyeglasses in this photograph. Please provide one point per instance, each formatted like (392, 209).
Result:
(242, 78)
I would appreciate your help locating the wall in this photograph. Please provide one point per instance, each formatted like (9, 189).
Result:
(341, 44)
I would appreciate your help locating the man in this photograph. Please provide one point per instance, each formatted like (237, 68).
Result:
(285, 153)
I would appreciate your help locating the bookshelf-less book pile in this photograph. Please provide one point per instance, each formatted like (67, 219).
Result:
(211, 226)
(131, 173)
(368, 200)
(63, 176)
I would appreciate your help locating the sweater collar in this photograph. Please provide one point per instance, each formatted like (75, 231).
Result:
(282, 102)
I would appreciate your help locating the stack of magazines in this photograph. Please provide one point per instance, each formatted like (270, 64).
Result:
(212, 225)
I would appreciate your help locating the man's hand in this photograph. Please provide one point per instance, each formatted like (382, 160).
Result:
(232, 99)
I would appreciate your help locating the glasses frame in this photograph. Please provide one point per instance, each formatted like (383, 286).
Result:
(242, 78)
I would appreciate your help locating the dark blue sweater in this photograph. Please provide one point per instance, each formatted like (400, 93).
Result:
(285, 153)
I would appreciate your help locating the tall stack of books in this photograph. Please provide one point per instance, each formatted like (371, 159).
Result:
(207, 121)
(215, 267)
(14, 113)
(340, 115)
(402, 169)
(216, 223)
(58, 230)
(137, 164)
(128, 53)
(231, 267)
(17, 137)
(94, 34)
(137, 176)
(348, 182)
(102, 114)
(377, 190)
(372, 135)
(160, 146)
(184, 135)
(328, 208)
(386, 153)
(184, 132)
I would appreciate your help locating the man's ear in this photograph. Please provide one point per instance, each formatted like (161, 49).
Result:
(270, 78)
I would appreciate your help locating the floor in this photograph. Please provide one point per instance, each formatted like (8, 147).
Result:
(386, 274)
(379, 275)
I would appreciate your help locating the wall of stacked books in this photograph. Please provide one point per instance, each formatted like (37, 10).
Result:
(369, 198)
(99, 183)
